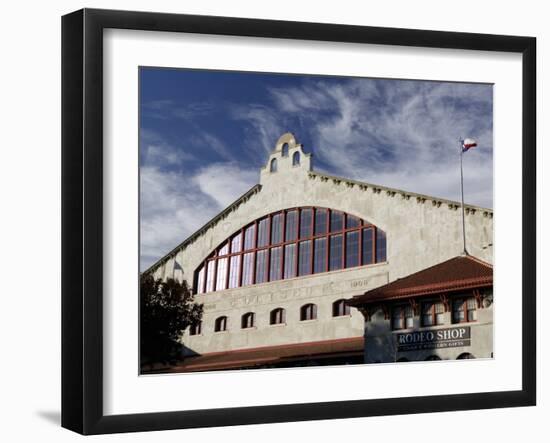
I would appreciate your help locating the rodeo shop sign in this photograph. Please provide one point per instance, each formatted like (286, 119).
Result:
(441, 338)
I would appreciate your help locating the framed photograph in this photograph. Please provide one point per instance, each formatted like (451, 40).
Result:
(269, 221)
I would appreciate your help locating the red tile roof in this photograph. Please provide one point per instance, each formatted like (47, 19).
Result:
(457, 274)
(271, 355)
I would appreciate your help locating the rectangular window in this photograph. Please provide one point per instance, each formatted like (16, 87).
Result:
(433, 313)
(306, 218)
(458, 311)
(234, 268)
(380, 246)
(320, 255)
(352, 249)
(464, 310)
(248, 263)
(368, 244)
(221, 274)
(409, 317)
(336, 221)
(427, 314)
(276, 229)
(236, 243)
(352, 222)
(261, 266)
(275, 264)
(439, 309)
(290, 261)
(263, 232)
(224, 249)
(291, 225)
(249, 237)
(402, 317)
(471, 309)
(210, 274)
(321, 221)
(398, 319)
(304, 258)
(200, 281)
(335, 255)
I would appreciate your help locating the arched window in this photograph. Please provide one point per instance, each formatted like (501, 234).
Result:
(288, 244)
(284, 150)
(433, 358)
(277, 316)
(340, 308)
(273, 165)
(247, 320)
(195, 329)
(296, 159)
(308, 312)
(220, 324)
(465, 356)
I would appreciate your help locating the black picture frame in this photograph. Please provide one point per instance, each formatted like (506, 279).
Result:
(82, 218)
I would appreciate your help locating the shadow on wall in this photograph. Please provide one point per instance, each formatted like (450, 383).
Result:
(188, 352)
(379, 345)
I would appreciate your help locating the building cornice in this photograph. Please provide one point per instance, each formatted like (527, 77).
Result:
(393, 192)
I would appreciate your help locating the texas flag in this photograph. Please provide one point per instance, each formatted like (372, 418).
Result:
(468, 144)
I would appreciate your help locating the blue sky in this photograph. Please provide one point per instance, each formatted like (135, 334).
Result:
(205, 134)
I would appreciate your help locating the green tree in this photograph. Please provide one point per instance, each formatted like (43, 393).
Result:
(166, 310)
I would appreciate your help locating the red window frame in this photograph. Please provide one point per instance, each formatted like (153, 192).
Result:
(464, 309)
(224, 251)
(433, 312)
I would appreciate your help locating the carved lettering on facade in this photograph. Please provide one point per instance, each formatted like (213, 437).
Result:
(360, 283)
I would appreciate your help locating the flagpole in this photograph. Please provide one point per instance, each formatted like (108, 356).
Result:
(462, 197)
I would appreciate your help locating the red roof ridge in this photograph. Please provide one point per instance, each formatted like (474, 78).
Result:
(456, 257)
(457, 273)
(478, 260)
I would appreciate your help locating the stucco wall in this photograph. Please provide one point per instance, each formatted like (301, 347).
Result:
(421, 231)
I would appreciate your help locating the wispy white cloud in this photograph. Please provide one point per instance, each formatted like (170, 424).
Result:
(400, 134)
(224, 182)
(209, 142)
(262, 126)
(164, 109)
(175, 204)
(155, 150)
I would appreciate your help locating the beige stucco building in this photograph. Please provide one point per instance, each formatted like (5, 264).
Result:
(273, 268)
